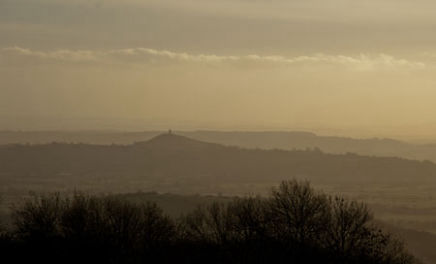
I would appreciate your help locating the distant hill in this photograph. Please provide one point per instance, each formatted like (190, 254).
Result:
(178, 164)
(264, 140)
(176, 159)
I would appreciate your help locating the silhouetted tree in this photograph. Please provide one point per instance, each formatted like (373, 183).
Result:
(348, 227)
(298, 213)
(250, 222)
(92, 225)
(3, 231)
(38, 218)
(212, 224)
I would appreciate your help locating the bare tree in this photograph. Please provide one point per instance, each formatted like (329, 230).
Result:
(212, 223)
(250, 218)
(38, 218)
(349, 225)
(298, 213)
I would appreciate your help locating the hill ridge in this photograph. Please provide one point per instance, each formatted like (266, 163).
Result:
(172, 140)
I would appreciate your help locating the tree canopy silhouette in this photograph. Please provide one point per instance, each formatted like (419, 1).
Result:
(295, 224)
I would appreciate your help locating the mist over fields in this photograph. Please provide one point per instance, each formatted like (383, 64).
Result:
(218, 131)
(399, 190)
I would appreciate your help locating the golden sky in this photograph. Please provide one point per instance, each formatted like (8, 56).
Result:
(355, 67)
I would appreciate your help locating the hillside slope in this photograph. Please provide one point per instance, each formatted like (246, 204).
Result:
(265, 140)
(172, 157)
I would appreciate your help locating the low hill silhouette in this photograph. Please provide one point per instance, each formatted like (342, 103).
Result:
(246, 139)
(169, 157)
(171, 141)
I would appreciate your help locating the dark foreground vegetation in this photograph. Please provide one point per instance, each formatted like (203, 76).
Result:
(296, 224)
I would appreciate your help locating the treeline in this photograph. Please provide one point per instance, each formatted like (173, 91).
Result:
(296, 224)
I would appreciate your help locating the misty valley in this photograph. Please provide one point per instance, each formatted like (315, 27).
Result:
(181, 174)
(218, 131)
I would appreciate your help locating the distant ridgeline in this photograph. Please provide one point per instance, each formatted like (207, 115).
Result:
(264, 140)
(171, 158)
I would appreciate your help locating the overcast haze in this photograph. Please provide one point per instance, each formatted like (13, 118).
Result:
(353, 67)
(142, 130)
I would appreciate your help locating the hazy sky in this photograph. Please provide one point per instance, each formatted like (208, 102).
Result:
(344, 65)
